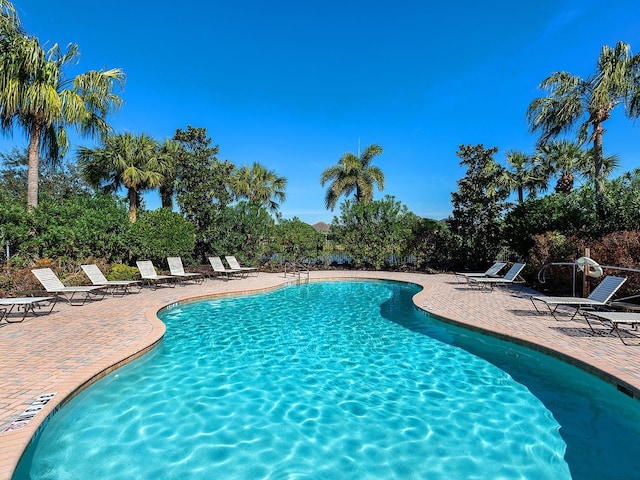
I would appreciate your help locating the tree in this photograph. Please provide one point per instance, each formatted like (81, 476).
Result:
(572, 99)
(375, 232)
(124, 160)
(523, 173)
(353, 173)
(296, 240)
(168, 158)
(478, 207)
(566, 159)
(259, 185)
(57, 181)
(36, 95)
(242, 229)
(202, 191)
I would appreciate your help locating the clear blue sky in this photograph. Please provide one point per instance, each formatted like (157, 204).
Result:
(295, 84)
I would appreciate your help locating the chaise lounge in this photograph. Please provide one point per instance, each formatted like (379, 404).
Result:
(509, 278)
(150, 276)
(600, 297)
(52, 284)
(235, 265)
(614, 320)
(220, 269)
(177, 270)
(115, 286)
(26, 304)
(492, 271)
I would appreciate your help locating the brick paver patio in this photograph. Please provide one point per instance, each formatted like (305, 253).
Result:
(66, 350)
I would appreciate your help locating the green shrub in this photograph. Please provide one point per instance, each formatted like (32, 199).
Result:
(159, 234)
(373, 233)
(295, 240)
(120, 271)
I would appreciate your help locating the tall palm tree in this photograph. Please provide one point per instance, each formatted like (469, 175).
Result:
(523, 173)
(124, 160)
(572, 99)
(353, 173)
(260, 185)
(36, 95)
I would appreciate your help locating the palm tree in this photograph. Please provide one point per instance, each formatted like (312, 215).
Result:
(259, 185)
(124, 160)
(9, 21)
(36, 95)
(572, 99)
(168, 159)
(565, 159)
(353, 173)
(523, 173)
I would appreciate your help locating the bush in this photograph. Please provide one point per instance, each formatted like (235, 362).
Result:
(120, 271)
(71, 230)
(159, 234)
(295, 240)
(373, 233)
(241, 230)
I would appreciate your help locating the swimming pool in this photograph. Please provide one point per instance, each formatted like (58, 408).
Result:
(337, 380)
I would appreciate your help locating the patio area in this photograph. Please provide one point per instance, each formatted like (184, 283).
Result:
(73, 346)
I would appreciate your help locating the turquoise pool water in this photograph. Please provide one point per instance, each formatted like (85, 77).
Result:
(337, 380)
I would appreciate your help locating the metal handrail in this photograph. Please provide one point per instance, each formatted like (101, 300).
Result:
(296, 269)
(542, 274)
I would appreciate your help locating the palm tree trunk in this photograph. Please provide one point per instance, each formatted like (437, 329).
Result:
(598, 158)
(133, 204)
(33, 176)
(166, 196)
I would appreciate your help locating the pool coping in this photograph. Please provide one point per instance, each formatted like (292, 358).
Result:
(439, 294)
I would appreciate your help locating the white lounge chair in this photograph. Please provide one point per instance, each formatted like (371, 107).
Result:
(150, 276)
(52, 284)
(220, 269)
(235, 265)
(600, 297)
(492, 271)
(115, 286)
(510, 278)
(26, 304)
(614, 320)
(177, 270)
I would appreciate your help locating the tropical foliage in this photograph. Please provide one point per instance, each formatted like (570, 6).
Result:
(201, 186)
(478, 207)
(572, 99)
(353, 174)
(66, 229)
(37, 96)
(243, 229)
(123, 160)
(374, 233)
(224, 209)
(160, 234)
(295, 240)
(572, 213)
(259, 185)
(523, 173)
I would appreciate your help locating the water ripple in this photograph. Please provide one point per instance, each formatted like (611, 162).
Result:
(303, 383)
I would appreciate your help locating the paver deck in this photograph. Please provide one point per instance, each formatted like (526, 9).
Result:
(73, 346)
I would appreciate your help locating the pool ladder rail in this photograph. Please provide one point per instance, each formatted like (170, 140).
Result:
(296, 270)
